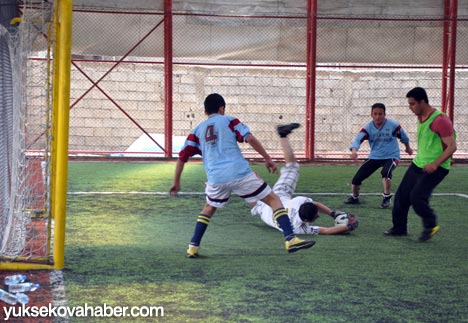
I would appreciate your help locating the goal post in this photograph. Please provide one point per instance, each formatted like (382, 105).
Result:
(63, 22)
(33, 211)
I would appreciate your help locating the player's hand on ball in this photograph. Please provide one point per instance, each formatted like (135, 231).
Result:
(336, 213)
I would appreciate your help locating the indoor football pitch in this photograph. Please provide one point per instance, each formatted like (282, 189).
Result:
(126, 240)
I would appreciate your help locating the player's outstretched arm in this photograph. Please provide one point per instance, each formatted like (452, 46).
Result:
(175, 187)
(352, 225)
(333, 230)
(323, 208)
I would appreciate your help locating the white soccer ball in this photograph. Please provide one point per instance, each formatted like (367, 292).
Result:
(342, 220)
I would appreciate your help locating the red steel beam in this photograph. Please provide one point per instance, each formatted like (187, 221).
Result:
(95, 84)
(445, 47)
(116, 64)
(168, 67)
(311, 70)
(452, 54)
(449, 55)
(118, 106)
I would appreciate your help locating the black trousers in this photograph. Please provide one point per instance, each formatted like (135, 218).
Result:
(415, 190)
(371, 165)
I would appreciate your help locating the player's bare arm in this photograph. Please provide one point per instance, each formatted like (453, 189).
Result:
(451, 147)
(353, 154)
(175, 187)
(258, 147)
(333, 230)
(408, 149)
(323, 208)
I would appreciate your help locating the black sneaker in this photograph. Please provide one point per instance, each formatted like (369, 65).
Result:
(285, 130)
(386, 202)
(395, 233)
(352, 200)
(428, 233)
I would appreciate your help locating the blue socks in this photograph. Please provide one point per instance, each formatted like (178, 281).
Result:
(281, 217)
(200, 228)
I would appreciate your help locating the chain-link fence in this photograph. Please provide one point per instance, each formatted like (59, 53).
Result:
(259, 64)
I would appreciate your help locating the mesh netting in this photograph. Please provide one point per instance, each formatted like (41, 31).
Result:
(26, 135)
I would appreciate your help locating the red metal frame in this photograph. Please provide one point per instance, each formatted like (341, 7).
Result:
(448, 66)
(453, 46)
(168, 77)
(449, 55)
(95, 84)
(445, 48)
(311, 76)
(116, 104)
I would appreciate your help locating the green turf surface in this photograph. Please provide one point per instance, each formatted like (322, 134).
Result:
(129, 250)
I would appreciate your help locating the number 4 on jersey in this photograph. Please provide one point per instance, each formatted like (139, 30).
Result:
(210, 135)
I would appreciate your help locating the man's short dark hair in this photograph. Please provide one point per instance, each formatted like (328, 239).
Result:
(378, 106)
(419, 94)
(308, 212)
(213, 102)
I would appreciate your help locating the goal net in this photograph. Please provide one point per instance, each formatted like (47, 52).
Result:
(26, 47)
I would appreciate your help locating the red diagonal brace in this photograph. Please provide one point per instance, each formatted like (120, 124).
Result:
(117, 105)
(107, 73)
(116, 64)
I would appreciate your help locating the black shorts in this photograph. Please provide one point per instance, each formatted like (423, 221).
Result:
(371, 165)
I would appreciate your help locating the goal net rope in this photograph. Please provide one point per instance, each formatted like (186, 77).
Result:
(26, 134)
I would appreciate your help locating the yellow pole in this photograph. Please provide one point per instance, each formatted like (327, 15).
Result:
(24, 266)
(61, 83)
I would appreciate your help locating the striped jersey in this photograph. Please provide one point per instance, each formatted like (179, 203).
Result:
(216, 140)
(383, 140)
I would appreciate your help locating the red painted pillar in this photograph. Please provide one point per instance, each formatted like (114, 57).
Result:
(449, 55)
(311, 70)
(445, 47)
(168, 78)
(452, 52)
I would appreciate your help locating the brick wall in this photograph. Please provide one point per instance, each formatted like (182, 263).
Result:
(260, 97)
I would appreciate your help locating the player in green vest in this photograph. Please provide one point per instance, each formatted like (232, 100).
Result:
(436, 145)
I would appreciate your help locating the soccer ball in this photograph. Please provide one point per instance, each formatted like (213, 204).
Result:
(342, 220)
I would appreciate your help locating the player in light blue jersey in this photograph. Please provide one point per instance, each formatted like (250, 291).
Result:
(383, 135)
(216, 140)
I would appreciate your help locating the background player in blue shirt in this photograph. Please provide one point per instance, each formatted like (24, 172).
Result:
(216, 140)
(383, 135)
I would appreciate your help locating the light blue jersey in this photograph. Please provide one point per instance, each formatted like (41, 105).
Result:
(215, 139)
(383, 141)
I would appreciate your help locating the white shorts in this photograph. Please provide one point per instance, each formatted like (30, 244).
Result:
(286, 184)
(251, 188)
